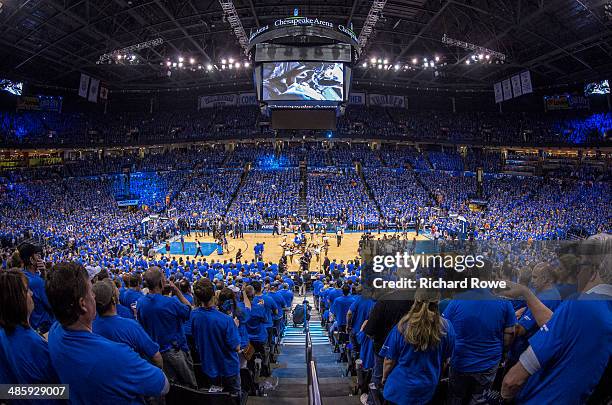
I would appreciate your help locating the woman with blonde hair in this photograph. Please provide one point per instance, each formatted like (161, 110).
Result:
(415, 352)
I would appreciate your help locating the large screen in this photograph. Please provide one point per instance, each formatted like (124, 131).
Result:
(303, 81)
(12, 87)
(597, 88)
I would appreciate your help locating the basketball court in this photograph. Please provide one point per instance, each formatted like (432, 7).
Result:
(272, 248)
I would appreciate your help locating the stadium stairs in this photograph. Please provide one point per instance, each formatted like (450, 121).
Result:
(290, 376)
(243, 176)
(368, 190)
(303, 208)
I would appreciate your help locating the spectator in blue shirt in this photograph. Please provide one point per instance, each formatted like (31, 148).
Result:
(96, 369)
(162, 317)
(416, 351)
(31, 255)
(341, 306)
(113, 327)
(133, 294)
(484, 325)
(216, 338)
(567, 357)
(287, 295)
(24, 354)
(357, 314)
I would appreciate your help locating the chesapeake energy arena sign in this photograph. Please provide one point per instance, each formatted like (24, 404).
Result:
(303, 22)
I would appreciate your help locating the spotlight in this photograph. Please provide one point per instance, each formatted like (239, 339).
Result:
(379, 60)
(373, 60)
(415, 61)
(365, 64)
(231, 60)
(467, 62)
(191, 60)
(246, 64)
(380, 66)
(119, 57)
(425, 59)
(397, 67)
(223, 61)
(437, 59)
(237, 65)
(230, 66)
(386, 61)
(200, 67)
(431, 63)
(222, 67)
(180, 59)
(487, 57)
(174, 64)
(180, 64)
(480, 56)
(168, 63)
(208, 67)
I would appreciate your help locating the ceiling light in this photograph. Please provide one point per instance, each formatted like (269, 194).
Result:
(209, 67)
(180, 59)
(180, 64)
(191, 60)
(231, 60)
(168, 63)
(373, 60)
(467, 62)
(223, 61)
(386, 61)
(380, 66)
(237, 65)
(415, 61)
(364, 64)
(246, 64)
(437, 59)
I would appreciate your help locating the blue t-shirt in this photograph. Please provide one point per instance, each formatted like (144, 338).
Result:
(243, 317)
(316, 287)
(270, 306)
(340, 308)
(479, 319)
(256, 324)
(415, 376)
(126, 331)
(288, 296)
(130, 297)
(332, 295)
(101, 371)
(216, 338)
(163, 318)
(573, 349)
(360, 310)
(125, 312)
(42, 316)
(24, 358)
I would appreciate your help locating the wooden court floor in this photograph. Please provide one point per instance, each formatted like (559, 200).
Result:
(273, 250)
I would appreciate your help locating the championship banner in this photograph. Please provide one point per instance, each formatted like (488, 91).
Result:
(84, 85)
(93, 90)
(499, 95)
(526, 82)
(247, 99)
(357, 98)
(516, 85)
(386, 100)
(507, 88)
(217, 100)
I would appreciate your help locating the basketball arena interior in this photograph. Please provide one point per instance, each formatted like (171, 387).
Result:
(256, 202)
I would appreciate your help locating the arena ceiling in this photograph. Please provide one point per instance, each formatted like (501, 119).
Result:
(52, 41)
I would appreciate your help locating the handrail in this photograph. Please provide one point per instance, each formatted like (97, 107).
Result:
(314, 394)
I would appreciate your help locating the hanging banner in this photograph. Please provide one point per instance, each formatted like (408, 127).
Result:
(357, 98)
(93, 90)
(247, 99)
(499, 95)
(526, 82)
(507, 88)
(516, 85)
(84, 85)
(217, 100)
(103, 93)
(387, 100)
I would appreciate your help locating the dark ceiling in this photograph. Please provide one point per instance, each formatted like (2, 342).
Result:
(52, 41)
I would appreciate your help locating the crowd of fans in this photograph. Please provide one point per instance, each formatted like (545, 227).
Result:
(239, 122)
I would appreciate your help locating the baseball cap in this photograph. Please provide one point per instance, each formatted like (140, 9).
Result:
(27, 249)
(92, 271)
(104, 291)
